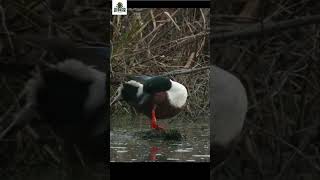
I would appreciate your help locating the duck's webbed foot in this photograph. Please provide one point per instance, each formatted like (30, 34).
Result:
(159, 128)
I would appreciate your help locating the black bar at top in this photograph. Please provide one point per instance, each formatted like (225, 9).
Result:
(168, 4)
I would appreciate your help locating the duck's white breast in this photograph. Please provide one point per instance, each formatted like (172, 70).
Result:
(177, 94)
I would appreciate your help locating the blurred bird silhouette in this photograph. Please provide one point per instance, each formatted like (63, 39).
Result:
(229, 107)
(70, 96)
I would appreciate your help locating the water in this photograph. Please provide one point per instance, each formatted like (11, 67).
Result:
(126, 146)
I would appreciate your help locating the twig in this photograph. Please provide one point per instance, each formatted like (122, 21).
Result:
(153, 19)
(116, 97)
(12, 107)
(179, 41)
(175, 24)
(172, 73)
(190, 60)
(154, 30)
(46, 147)
(297, 150)
(184, 71)
(287, 163)
(26, 114)
(80, 156)
(3, 20)
(257, 29)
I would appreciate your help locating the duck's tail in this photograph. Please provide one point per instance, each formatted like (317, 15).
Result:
(132, 92)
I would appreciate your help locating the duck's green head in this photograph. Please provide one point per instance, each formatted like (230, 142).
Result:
(157, 84)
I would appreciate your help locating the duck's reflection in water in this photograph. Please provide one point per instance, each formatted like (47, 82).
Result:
(153, 153)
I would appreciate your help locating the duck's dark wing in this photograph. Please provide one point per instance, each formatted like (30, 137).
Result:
(141, 79)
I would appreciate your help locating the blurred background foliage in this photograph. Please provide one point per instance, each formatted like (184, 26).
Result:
(281, 72)
(33, 151)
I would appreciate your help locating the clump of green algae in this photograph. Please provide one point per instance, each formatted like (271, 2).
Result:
(168, 135)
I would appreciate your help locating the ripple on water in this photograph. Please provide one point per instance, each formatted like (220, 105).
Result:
(116, 147)
(122, 151)
(201, 156)
(183, 150)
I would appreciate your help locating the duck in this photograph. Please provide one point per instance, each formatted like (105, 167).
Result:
(156, 97)
(229, 106)
(70, 96)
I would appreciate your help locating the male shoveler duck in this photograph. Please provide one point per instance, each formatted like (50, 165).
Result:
(157, 97)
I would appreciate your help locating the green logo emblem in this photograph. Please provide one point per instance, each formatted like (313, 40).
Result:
(119, 7)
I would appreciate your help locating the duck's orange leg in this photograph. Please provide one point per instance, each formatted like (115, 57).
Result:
(154, 124)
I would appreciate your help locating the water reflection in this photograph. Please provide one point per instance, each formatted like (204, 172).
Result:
(154, 152)
(127, 147)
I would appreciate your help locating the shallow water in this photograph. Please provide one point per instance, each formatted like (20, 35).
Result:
(126, 146)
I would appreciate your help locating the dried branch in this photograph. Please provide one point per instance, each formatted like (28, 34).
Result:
(46, 147)
(24, 115)
(184, 71)
(4, 26)
(297, 150)
(261, 28)
(12, 107)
